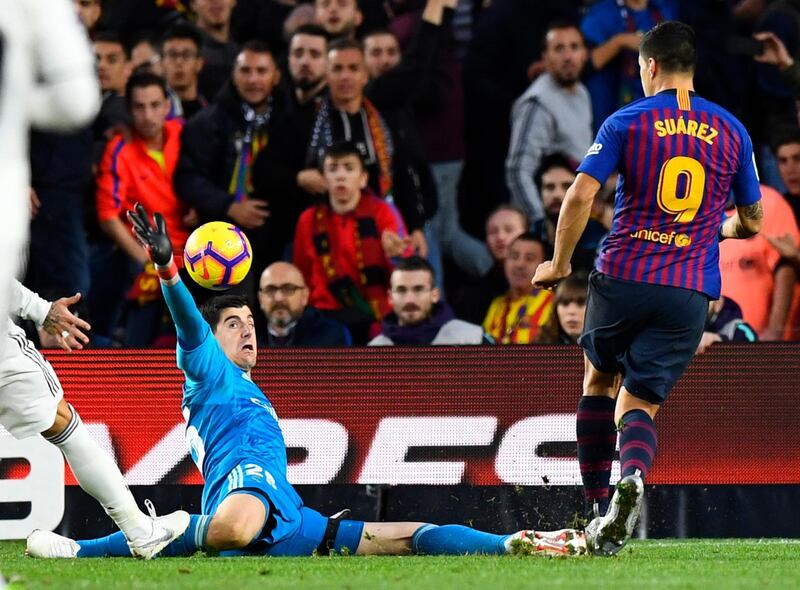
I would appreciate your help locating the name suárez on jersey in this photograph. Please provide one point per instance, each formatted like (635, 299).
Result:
(680, 126)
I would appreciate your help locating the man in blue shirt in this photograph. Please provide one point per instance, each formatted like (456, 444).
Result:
(613, 29)
(249, 507)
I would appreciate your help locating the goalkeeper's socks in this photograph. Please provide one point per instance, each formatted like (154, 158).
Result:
(191, 541)
(453, 539)
(98, 475)
(116, 545)
(597, 439)
(637, 442)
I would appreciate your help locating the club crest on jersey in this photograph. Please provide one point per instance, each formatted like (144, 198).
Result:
(666, 238)
(594, 149)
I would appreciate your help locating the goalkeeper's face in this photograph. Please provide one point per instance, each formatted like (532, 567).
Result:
(236, 334)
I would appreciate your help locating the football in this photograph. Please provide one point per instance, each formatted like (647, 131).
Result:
(217, 255)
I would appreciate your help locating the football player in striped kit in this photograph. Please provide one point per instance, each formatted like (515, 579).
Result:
(679, 157)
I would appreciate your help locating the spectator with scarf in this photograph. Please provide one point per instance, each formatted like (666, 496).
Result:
(344, 247)
(419, 316)
(180, 56)
(287, 174)
(218, 148)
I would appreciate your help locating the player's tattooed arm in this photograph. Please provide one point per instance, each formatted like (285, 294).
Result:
(754, 211)
(68, 329)
(744, 224)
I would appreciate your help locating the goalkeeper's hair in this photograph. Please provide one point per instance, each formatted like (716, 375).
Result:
(212, 309)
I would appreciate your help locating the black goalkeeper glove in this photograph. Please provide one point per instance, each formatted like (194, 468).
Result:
(153, 237)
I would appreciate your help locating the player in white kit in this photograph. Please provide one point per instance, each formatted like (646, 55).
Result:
(31, 402)
(48, 81)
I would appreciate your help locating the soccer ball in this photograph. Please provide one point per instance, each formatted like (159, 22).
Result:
(217, 255)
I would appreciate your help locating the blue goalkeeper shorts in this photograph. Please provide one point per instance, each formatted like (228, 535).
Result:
(314, 533)
(290, 530)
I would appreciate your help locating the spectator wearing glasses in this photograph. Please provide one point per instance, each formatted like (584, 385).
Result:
(419, 316)
(180, 57)
(283, 297)
(146, 55)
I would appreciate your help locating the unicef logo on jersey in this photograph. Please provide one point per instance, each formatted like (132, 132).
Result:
(667, 238)
(595, 149)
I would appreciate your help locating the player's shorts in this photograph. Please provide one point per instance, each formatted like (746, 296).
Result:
(649, 333)
(29, 389)
(290, 529)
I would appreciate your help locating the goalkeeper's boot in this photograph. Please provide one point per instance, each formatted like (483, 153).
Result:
(50, 546)
(608, 534)
(561, 543)
(165, 530)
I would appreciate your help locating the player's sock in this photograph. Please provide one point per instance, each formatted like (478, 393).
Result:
(597, 439)
(637, 442)
(453, 539)
(116, 545)
(98, 475)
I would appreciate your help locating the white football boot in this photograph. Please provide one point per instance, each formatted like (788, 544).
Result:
(608, 534)
(560, 543)
(165, 530)
(49, 545)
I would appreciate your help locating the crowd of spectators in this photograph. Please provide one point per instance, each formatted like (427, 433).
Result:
(398, 165)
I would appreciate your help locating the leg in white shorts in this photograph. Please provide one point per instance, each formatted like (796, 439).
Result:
(29, 389)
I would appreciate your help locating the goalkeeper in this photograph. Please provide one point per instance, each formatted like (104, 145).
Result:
(249, 507)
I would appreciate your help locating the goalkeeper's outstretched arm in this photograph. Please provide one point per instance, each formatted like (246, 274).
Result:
(192, 329)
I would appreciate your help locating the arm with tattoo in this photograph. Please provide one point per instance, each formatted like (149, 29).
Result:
(743, 224)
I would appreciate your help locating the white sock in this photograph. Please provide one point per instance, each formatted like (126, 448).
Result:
(99, 476)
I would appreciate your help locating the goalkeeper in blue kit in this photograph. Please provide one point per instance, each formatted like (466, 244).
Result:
(248, 505)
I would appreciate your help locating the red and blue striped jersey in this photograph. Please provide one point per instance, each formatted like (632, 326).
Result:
(679, 157)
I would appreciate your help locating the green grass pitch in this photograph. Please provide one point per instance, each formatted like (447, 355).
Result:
(657, 565)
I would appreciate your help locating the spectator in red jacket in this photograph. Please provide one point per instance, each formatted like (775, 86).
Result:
(344, 247)
(137, 169)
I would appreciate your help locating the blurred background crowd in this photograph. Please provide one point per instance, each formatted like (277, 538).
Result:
(459, 125)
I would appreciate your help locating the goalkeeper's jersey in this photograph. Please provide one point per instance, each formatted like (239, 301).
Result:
(229, 419)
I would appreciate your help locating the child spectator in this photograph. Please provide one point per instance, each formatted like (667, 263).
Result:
(569, 301)
(344, 247)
